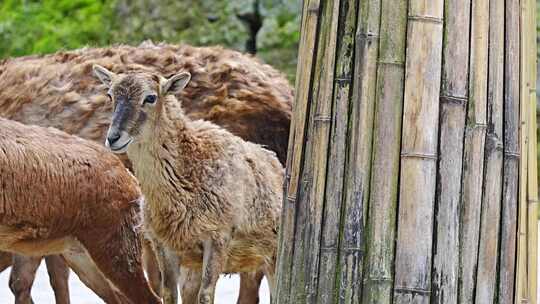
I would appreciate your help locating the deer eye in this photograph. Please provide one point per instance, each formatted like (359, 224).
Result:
(150, 99)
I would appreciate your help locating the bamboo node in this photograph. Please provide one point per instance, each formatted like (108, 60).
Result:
(419, 155)
(479, 125)
(369, 36)
(313, 9)
(329, 248)
(413, 290)
(291, 199)
(395, 63)
(341, 80)
(457, 100)
(322, 118)
(532, 201)
(353, 249)
(378, 279)
(426, 19)
(511, 154)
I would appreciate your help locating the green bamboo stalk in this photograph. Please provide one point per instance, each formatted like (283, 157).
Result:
(474, 151)
(419, 152)
(336, 159)
(486, 281)
(507, 256)
(357, 171)
(381, 230)
(304, 74)
(454, 96)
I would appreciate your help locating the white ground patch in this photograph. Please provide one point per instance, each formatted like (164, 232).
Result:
(227, 290)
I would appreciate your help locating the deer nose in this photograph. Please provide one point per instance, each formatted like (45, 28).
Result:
(113, 137)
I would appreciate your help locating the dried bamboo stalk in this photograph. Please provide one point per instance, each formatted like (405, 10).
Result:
(357, 172)
(381, 225)
(486, 281)
(473, 163)
(507, 253)
(532, 187)
(295, 149)
(454, 96)
(522, 292)
(419, 152)
(532, 200)
(313, 166)
(316, 154)
(336, 160)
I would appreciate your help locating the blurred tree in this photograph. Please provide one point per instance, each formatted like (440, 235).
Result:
(269, 28)
(37, 27)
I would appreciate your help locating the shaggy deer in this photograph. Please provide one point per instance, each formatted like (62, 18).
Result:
(49, 204)
(212, 199)
(236, 91)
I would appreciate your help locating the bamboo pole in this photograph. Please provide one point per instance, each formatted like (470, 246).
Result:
(336, 159)
(313, 172)
(507, 259)
(532, 186)
(358, 166)
(522, 292)
(454, 96)
(419, 152)
(381, 224)
(486, 281)
(316, 151)
(288, 225)
(473, 163)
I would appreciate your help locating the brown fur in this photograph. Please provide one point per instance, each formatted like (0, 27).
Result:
(236, 91)
(49, 203)
(212, 198)
(233, 90)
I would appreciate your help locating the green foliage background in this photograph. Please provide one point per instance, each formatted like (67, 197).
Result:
(40, 27)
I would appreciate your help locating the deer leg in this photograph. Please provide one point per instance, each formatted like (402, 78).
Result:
(22, 277)
(214, 261)
(249, 287)
(189, 283)
(58, 276)
(168, 263)
(117, 254)
(269, 272)
(6, 259)
(151, 266)
(80, 262)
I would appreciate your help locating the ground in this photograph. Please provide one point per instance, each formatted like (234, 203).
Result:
(227, 290)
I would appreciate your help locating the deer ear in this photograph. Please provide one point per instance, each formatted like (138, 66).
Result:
(175, 84)
(103, 74)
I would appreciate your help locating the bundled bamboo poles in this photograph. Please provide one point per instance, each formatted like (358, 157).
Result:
(411, 174)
